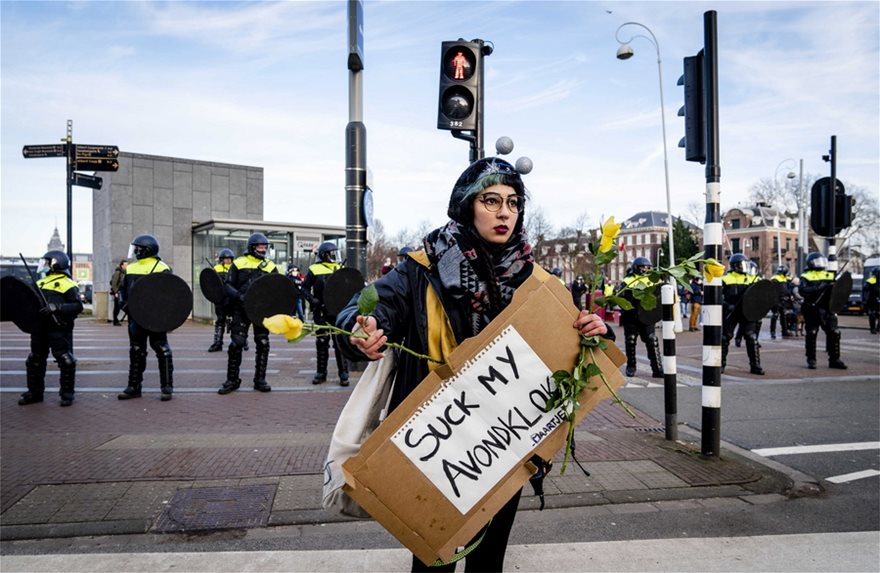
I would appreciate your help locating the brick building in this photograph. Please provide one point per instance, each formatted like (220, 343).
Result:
(764, 234)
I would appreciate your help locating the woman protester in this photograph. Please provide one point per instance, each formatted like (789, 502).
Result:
(472, 266)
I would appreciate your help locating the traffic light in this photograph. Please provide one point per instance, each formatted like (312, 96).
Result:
(820, 205)
(693, 110)
(460, 72)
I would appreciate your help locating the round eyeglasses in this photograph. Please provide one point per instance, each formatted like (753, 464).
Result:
(493, 201)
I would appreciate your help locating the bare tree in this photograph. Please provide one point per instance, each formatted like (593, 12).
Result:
(379, 250)
(575, 238)
(540, 231)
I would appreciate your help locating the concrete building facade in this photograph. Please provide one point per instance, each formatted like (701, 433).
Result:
(166, 197)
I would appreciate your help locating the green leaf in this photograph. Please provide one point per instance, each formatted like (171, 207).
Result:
(368, 300)
(560, 375)
(611, 300)
(648, 301)
(590, 341)
(593, 370)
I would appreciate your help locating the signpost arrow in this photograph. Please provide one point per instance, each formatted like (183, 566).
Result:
(50, 150)
(84, 151)
(84, 180)
(96, 164)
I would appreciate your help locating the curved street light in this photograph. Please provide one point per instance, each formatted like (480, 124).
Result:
(625, 52)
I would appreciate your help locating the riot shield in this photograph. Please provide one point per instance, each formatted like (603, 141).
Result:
(20, 304)
(840, 291)
(212, 286)
(340, 287)
(758, 299)
(160, 302)
(269, 295)
(653, 316)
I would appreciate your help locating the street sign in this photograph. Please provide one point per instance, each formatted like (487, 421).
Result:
(96, 164)
(95, 151)
(50, 150)
(84, 180)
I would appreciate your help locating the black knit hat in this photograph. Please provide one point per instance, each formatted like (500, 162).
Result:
(479, 175)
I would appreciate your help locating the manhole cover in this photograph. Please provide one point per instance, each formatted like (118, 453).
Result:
(217, 508)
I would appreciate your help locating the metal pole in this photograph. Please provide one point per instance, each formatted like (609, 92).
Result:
(355, 146)
(712, 236)
(832, 247)
(70, 166)
(802, 221)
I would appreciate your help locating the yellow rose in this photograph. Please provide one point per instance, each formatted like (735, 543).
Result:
(609, 233)
(284, 324)
(712, 269)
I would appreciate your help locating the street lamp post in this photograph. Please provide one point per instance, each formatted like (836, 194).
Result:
(625, 52)
(790, 175)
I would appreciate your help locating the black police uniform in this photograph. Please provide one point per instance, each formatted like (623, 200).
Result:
(313, 291)
(138, 336)
(222, 310)
(633, 329)
(734, 286)
(872, 300)
(815, 286)
(242, 274)
(54, 332)
(779, 311)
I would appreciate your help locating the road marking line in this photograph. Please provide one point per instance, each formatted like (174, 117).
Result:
(843, 478)
(817, 449)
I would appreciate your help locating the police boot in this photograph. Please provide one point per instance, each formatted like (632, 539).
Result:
(754, 356)
(653, 347)
(217, 346)
(872, 323)
(725, 347)
(262, 362)
(773, 318)
(322, 344)
(67, 366)
(36, 376)
(166, 374)
(137, 364)
(233, 366)
(833, 344)
(810, 346)
(342, 366)
(631, 354)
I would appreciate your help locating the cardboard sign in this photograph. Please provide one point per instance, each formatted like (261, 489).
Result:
(457, 449)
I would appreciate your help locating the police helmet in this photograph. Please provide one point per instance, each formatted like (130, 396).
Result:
(56, 262)
(326, 251)
(225, 254)
(556, 271)
(782, 270)
(752, 269)
(253, 241)
(738, 263)
(144, 246)
(404, 250)
(639, 262)
(816, 261)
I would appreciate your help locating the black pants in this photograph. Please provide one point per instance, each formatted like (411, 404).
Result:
(60, 342)
(489, 554)
(117, 304)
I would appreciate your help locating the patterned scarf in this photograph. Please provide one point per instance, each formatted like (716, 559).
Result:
(486, 275)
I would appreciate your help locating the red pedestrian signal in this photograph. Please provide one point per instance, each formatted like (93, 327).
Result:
(459, 85)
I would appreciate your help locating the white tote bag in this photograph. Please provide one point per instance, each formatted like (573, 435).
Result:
(366, 408)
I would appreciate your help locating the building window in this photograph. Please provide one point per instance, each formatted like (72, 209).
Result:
(734, 223)
(734, 246)
(755, 244)
(776, 243)
(788, 243)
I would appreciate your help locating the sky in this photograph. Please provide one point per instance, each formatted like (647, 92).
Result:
(266, 84)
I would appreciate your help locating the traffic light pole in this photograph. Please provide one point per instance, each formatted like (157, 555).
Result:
(70, 166)
(712, 235)
(475, 136)
(355, 146)
(832, 205)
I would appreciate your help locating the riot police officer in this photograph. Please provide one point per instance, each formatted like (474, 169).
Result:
(145, 249)
(222, 310)
(243, 272)
(633, 328)
(816, 283)
(734, 285)
(778, 310)
(401, 254)
(579, 291)
(872, 299)
(313, 290)
(54, 331)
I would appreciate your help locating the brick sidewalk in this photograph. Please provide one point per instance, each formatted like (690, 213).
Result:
(205, 461)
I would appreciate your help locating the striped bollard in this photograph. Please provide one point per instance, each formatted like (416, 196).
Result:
(670, 398)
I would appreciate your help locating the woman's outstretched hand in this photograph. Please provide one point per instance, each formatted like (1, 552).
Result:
(590, 324)
(373, 342)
